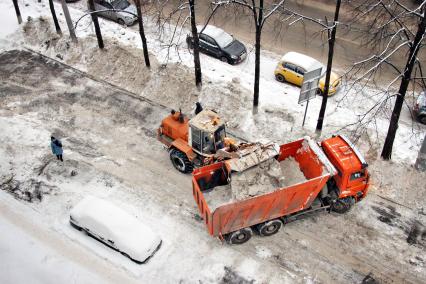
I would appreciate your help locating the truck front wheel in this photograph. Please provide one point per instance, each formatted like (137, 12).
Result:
(269, 228)
(180, 161)
(239, 237)
(342, 205)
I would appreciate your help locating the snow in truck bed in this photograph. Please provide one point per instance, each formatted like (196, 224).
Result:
(264, 178)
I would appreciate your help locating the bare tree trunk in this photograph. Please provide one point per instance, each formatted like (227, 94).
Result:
(55, 20)
(197, 65)
(69, 21)
(18, 13)
(96, 24)
(421, 158)
(259, 21)
(331, 41)
(142, 34)
(393, 126)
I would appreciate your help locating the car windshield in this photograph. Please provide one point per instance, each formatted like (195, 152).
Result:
(120, 4)
(224, 39)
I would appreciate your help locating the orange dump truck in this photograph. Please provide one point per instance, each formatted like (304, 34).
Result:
(335, 174)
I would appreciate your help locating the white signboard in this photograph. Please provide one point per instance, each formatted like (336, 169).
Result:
(309, 85)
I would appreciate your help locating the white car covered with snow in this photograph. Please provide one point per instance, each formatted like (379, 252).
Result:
(116, 228)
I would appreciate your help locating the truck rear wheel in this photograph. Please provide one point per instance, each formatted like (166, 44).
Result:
(239, 237)
(180, 161)
(269, 228)
(342, 205)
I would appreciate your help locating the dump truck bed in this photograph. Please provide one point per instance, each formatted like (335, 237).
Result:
(280, 202)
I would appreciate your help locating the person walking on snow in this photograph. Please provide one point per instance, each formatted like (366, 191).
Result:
(56, 146)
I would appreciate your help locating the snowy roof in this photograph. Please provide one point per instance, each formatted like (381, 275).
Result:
(106, 220)
(206, 120)
(211, 31)
(306, 62)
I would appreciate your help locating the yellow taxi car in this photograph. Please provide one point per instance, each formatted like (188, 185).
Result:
(293, 66)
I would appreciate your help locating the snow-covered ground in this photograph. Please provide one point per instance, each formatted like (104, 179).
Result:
(110, 146)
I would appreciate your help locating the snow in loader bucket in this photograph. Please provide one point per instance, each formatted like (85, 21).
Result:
(282, 185)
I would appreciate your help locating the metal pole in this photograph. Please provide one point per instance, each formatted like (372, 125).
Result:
(69, 21)
(306, 110)
(18, 13)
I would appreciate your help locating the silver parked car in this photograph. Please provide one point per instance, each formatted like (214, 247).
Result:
(125, 13)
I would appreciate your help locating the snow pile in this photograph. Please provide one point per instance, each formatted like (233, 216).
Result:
(29, 190)
(291, 172)
(114, 225)
(218, 196)
(264, 178)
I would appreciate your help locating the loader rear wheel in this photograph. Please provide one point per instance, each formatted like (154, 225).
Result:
(180, 161)
(269, 228)
(342, 205)
(239, 237)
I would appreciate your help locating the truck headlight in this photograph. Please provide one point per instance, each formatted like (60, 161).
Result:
(234, 57)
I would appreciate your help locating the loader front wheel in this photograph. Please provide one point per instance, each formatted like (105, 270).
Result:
(180, 161)
(342, 205)
(239, 237)
(269, 228)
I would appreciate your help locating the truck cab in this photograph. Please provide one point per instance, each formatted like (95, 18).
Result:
(352, 177)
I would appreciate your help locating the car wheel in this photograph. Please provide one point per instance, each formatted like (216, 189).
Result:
(422, 118)
(224, 59)
(121, 22)
(280, 78)
(180, 161)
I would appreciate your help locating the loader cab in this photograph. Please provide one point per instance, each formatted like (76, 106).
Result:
(352, 175)
(206, 133)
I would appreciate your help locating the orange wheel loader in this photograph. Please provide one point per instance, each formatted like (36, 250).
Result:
(202, 140)
(193, 143)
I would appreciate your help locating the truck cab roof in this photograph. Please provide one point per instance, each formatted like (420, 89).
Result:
(343, 153)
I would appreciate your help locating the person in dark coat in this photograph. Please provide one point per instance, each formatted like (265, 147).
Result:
(198, 108)
(56, 146)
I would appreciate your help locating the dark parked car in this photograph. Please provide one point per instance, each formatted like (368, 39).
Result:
(420, 108)
(218, 43)
(125, 13)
